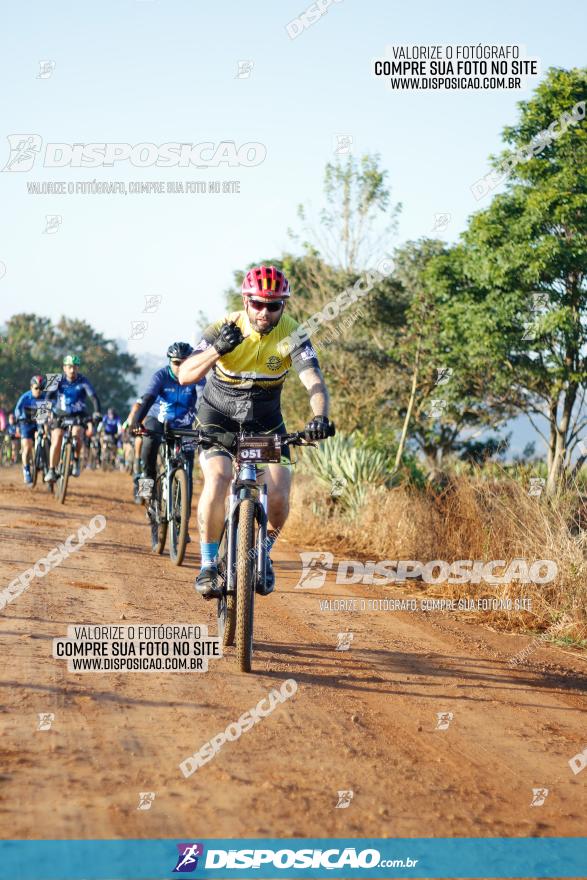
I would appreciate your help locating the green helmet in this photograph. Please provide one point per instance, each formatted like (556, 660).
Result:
(71, 360)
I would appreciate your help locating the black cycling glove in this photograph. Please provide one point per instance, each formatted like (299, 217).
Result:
(318, 428)
(229, 337)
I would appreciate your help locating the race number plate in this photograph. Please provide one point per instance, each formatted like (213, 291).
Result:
(260, 448)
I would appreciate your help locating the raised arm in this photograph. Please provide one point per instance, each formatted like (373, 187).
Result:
(218, 339)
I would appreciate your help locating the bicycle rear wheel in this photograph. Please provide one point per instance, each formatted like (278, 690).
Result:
(178, 524)
(226, 611)
(64, 467)
(245, 584)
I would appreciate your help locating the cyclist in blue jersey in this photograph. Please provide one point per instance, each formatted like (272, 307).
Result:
(165, 400)
(69, 396)
(110, 430)
(13, 434)
(111, 424)
(25, 412)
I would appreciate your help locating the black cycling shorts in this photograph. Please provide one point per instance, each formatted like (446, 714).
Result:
(225, 429)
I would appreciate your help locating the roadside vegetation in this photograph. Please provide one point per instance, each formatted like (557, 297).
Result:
(448, 347)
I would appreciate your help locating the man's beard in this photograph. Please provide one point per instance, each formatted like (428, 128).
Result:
(263, 331)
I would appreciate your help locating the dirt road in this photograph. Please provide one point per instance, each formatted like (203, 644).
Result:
(362, 720)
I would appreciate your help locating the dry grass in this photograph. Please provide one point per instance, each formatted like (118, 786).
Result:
(470, 519)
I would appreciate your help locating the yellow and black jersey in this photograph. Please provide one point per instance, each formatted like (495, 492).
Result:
(256, 369)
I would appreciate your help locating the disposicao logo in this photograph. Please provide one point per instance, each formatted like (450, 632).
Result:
(187, 860)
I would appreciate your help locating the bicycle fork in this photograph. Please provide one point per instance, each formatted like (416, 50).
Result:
(260, 550)
(261, 516)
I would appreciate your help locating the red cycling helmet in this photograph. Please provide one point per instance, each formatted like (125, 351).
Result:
(266, 282)
(39, 380)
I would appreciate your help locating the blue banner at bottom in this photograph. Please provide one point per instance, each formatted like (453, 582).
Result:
(273, 858)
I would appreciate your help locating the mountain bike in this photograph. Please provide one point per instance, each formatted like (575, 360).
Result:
(108, 453)
(94, 452)
(40, 461)
(242, 554)
(10, 449)
(168, 508)
(136, 468)
(69, 445)
(6, 450)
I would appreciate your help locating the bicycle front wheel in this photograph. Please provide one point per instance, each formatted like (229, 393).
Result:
(34, 466)
(245, 584)
(64, 467)
(178, 522)
(226, 612)
(44, 458)
(159, 522)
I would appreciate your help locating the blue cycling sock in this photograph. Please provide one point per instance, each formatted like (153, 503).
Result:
(209, 552)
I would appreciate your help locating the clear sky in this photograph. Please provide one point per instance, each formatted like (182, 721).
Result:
(159, 71)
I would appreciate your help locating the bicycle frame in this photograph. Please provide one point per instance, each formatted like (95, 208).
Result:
(68, 423)
(41, 437)
(173, 459)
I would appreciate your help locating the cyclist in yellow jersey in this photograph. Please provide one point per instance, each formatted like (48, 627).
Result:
(247, 357)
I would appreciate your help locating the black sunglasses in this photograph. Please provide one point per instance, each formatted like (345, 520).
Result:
(176, 361)
(273, 306)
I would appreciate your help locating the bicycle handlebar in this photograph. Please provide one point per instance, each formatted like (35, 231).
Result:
(73, 418)
(297, 438)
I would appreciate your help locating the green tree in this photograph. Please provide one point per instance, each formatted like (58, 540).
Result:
(358, 217)
(526, 258)
(26, 346)
(32, 344)
(443, 397)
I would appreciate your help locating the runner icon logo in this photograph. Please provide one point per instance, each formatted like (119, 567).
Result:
(344, 641)
(539, 795)
(187, 860)
(314, 570)
(145, 487)
(244, 69)
(138, 329)
(435, 408)
(152, 302)
(53, 222)
(243, 410)
(338, 486)
(46, 68)
(23, 151)
(537, 484)
(444, 719)
(344, 800)
(45, 720)
(443, 375)
(146, 798)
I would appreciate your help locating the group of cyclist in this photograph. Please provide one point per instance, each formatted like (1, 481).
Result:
(42, 407)
(231, 381)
